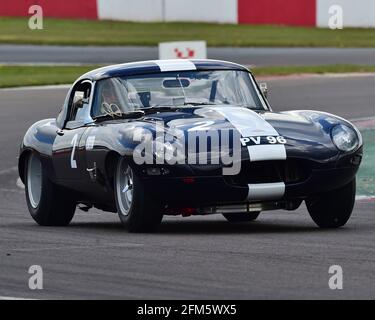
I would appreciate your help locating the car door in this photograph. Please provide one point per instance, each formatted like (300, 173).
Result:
(67, 150)
(67, 154)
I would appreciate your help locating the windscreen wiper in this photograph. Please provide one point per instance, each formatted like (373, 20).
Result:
(158, 108)
(128, 115)
(197, 103)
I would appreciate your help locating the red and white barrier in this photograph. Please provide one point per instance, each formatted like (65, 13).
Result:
(130, 10)
(355, 13)
(287, 12)
(280, 12)
(223, 11)
(85, 9)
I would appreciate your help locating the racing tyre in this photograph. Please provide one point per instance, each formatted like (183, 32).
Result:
(241, 217)
(333, 209)
(137, 210)
(49, 204)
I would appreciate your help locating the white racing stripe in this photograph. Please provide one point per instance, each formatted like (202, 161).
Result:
(266, 191)
(267, 152)
(250, 124)
(175, 65)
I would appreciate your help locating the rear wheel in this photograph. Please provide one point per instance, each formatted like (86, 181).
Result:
(241, 217)
(48, 204)
(333, 209)
(137, 210)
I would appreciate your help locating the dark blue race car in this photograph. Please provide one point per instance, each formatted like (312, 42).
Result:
(190, 137)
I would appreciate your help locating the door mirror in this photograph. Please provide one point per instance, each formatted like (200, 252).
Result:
(264, 88)
(80, 102)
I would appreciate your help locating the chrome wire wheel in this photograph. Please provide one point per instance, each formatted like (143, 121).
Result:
(34, 180)
(124, 187)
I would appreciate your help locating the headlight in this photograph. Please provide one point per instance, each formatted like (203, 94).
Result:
(344, 138)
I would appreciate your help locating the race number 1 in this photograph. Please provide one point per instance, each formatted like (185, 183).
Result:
(73, 163)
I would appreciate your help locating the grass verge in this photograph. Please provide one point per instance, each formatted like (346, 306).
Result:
(16, 76)
(105, 33)
(320, 69)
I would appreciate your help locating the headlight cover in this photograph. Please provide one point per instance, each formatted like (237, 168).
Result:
(344, 138)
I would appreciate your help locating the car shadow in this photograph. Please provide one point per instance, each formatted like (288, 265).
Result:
(224, 227)
(208, 227)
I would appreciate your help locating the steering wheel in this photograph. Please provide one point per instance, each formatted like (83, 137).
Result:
(111, 109)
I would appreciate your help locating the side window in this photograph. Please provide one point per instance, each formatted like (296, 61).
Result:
(79, 102)
(111, 96)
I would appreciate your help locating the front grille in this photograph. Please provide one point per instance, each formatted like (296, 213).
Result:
(288, 171)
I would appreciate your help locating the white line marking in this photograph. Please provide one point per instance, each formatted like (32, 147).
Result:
(11, 190)
(7, 171)
(350, 75)
(303, 76)
(30, 88)
(364, 123)
(14, 298)
(50, 64)
(362, 119)
(20, 184)
(361, 198)
(120, 245)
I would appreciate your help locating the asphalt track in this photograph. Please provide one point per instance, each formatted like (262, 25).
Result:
(282, 255)
(14, 54)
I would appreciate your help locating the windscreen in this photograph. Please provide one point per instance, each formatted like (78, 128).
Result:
(186, 88)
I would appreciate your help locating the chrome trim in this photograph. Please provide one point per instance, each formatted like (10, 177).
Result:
(124, 187)
(88, 119)
(34, 180)
(242, 208)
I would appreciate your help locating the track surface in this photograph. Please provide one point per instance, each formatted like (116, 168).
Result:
(282, 255)
(248, 56)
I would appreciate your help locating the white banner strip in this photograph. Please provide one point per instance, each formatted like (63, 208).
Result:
(222, 11)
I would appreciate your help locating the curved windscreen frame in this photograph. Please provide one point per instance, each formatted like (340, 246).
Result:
(236, 87)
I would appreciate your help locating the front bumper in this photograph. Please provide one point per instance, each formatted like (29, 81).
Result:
(203, 191)
(192, 186)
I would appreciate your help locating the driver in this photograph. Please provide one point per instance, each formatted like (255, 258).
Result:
(108, 98)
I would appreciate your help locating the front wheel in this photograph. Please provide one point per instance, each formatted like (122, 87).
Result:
(48, 204)
(241, 217)
(333, 209)
(138, 211)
